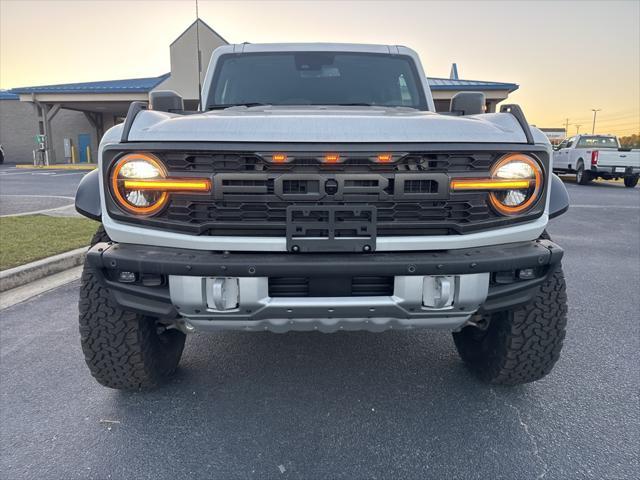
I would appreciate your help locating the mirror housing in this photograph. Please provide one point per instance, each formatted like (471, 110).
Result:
(468, 103)
(166, 101)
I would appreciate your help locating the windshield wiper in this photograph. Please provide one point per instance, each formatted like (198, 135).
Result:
(355, 104)
(222, 106)
(370, 105)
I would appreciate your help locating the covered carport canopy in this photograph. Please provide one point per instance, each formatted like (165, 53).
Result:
(443, 89)
(103, 103)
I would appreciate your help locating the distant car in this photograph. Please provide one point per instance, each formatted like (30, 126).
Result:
(597, 156)
(1, 155)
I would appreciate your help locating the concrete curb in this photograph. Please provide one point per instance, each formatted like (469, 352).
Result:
(59, 166)
(15, 277)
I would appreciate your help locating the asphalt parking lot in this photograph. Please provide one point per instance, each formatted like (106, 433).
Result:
(347, 405)
(37, 190)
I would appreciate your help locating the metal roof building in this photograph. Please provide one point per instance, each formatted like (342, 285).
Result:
(131, 85)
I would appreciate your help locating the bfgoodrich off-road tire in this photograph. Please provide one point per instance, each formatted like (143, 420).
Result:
(631, 182)
(521, 345)
(123, 349)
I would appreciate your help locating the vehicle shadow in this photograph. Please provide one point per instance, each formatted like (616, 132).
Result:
(571, 179)
(345, 405)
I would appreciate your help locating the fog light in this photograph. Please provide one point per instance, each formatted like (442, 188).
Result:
(127, 277)
(438, 291)
(223, 293)
(527, 273)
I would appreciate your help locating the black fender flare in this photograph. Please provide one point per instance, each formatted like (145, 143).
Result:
(558, 198)
(88, 196)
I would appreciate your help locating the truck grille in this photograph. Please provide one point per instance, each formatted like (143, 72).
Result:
(251, 195)
(253, 203)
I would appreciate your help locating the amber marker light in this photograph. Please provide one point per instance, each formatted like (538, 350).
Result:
(279, 157)
(331, 158)
(384, 158)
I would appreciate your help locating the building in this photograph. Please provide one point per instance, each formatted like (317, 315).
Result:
(555, 135)
(74, 116)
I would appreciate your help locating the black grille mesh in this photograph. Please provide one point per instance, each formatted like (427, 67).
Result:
(251, 162)
(369, 286)
(394, 218)
(251, 195)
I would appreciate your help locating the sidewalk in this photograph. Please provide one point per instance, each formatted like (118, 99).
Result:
(59, 166)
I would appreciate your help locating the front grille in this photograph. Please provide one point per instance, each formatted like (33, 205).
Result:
(330, 286)
(250, 195)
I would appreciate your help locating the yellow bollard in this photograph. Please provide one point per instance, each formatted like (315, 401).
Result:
(73, 154)
(88, 154)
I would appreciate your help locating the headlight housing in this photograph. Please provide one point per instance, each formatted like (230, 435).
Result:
(140, 186)
(518, 169)
(514, 186)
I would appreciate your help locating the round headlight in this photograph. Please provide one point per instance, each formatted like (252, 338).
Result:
(138, 166)
(526, 174)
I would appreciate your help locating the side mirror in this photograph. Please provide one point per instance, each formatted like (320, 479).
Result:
(467, 103)
(166, 101)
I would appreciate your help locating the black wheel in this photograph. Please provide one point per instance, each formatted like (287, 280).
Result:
(123, 350)
(521, 345)
(1, 157)
(631, 181)
(582, 176)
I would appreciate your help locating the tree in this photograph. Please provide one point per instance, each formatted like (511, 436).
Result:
(630, 141)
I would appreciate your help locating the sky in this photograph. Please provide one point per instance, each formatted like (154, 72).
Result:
(567, 56)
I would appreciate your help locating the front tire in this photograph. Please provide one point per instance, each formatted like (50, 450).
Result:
(631, 181)
(521, 345)
(582, 176)
(122, 349)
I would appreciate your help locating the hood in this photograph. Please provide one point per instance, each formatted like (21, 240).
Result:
(325, 125)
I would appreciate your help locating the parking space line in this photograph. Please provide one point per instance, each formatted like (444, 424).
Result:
(36, 196)
(36, 212)
(628, 207)
(8, 174)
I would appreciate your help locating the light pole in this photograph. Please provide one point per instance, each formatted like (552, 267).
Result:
(595, 111)
(578, 125)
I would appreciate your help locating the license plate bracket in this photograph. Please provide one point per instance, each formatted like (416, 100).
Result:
(332, 228)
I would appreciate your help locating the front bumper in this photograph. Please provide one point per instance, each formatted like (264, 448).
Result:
(187, 278)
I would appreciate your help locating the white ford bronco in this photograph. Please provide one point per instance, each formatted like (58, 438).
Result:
(317, 189)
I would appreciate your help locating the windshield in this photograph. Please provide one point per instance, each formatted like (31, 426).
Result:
(597, 142)
(316, 78)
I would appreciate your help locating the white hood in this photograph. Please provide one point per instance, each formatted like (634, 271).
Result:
(326, 125)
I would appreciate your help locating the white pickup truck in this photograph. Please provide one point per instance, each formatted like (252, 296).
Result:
(597, 156)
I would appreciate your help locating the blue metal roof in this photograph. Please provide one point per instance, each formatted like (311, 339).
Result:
(7, 95)
(131, 85)
(458, 84)
(142, 85)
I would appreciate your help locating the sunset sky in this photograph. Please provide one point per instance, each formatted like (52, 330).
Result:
(567, 57)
